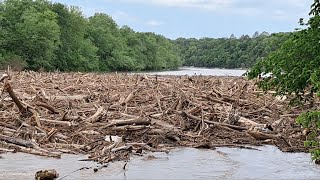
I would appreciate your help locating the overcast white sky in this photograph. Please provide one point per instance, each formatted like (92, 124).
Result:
(200, 18)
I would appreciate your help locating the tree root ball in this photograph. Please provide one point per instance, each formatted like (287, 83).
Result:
(46, 174)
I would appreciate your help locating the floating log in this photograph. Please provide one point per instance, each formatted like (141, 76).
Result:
(17, 141)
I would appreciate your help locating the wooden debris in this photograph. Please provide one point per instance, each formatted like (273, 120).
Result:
(52, 113)
(17, 141)
(50, 174)
(96, 116)
(262, 136)
(135, 121)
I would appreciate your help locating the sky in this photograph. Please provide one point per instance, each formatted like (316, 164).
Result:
(200, 18)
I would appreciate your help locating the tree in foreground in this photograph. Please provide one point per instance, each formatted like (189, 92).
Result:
(295, 69)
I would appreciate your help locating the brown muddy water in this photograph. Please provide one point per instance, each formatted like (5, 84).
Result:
(181, 163)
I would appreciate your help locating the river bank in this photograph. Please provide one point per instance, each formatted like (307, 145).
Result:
(112, 116)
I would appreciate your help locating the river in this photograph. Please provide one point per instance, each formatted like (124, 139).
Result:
(181, 163)
(190, 71)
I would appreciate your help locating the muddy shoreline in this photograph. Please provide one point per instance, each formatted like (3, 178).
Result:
(111, 116)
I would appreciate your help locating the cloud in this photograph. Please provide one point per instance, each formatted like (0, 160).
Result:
(123, 16)
(241, 7)
(203, 4)
(154, 23)
(280, 15)
(293, 3)
(280, 10)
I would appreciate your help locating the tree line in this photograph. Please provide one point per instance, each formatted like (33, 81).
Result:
(41, 35)
(230, 52)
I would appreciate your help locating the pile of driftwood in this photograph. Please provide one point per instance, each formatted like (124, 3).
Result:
(111, 116)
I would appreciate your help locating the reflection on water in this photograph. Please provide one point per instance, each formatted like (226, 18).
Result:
(184, 163)
(190, 71)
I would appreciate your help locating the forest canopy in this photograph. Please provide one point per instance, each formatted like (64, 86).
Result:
(229, 52)
(38, 34)
(41, 35)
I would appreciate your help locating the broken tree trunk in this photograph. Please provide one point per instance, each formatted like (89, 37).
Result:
(24, 111)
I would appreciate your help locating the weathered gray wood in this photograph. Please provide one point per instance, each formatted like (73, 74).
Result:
(17, 141)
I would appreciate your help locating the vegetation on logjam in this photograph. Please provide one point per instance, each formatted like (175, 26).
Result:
(112, 116)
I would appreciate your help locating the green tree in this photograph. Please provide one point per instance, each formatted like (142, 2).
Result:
(31, 32)
(38, 34)
(295, 69)
(229, 52)
(112, 50)
(76, 51)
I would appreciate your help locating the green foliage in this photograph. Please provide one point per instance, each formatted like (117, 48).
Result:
(311, 120)
(31, 32)
(229, 52)
(295, 69)
(76, 52)
(38, 34)
(292, 67)
(14, 61)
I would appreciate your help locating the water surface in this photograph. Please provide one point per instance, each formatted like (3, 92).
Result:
(191, 71)
(182, 163)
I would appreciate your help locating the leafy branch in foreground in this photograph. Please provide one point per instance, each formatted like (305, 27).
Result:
(311, 120)
(294, 69)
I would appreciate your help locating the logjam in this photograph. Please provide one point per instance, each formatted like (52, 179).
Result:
(52, 113)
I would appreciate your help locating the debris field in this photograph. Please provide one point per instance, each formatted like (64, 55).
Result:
(112, 116)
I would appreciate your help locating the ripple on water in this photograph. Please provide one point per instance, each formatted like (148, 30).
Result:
(184, 163)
